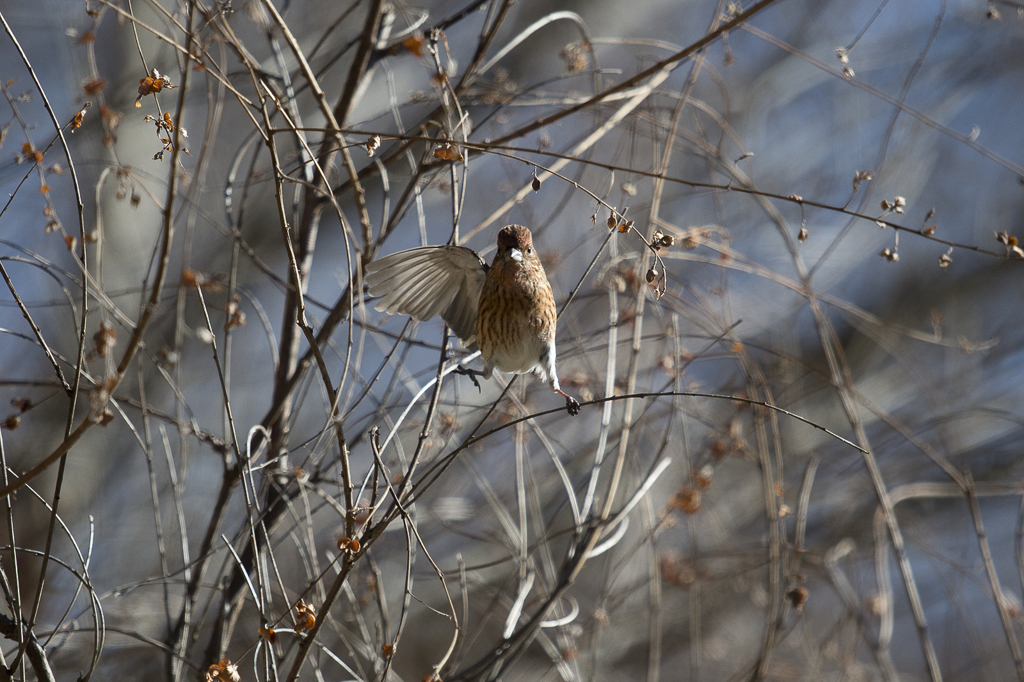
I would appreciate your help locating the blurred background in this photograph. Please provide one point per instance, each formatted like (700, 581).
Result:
(781, 236)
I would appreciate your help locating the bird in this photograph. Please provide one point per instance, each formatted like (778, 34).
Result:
(505, 309)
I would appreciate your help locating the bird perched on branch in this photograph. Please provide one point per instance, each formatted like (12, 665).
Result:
(505, 309)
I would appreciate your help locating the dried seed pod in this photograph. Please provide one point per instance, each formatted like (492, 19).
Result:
(372, 144)
(797, 597)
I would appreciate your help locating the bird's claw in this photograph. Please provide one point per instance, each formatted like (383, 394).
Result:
(472, 374)
(572, 406)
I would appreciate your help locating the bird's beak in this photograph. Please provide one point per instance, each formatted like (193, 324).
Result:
(516, 255)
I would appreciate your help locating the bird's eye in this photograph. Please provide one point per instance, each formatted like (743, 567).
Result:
(529, 249)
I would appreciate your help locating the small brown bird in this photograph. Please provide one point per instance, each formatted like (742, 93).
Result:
(506, 310)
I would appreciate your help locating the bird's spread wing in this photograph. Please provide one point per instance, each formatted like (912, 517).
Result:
(429, 281)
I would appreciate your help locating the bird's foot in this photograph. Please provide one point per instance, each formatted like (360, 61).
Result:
(472, 374)
(572, 406)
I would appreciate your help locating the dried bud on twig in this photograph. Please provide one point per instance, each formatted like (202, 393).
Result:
(372, 144)
(223, 671)
(946, 258)
(305, 616)
(104, 339)
(150, 85)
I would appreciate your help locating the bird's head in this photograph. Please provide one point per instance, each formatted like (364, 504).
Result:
(515, 243)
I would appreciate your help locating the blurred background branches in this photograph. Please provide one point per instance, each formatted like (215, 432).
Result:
(779, 235)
